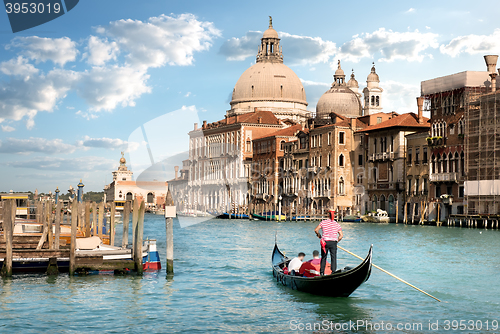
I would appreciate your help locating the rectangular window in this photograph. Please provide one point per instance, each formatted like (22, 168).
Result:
(341, 137)
(417, 155)
(329, 137)
(460, 191)
(409, 159)
(320, 139)
(360, 159)
(379, 120)
(424, 157)
(438, 191)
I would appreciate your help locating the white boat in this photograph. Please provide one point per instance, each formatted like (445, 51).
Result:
(380, 217)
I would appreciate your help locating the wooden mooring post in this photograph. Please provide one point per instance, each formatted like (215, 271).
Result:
(58, 224)
(169, 225)
(9, 216)
(112, 225)
(72, 249)
(101, 219)
(126, 222)
(138, 236)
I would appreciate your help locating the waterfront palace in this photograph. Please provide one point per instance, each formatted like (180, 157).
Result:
(270, 151)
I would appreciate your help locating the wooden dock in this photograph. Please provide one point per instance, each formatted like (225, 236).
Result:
(52, 249)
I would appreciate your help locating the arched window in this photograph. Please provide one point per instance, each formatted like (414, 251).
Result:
(129, 196)
(151, 198)
(373, 101)
(249, 145)
(382, 202)
(391, 209)
(456, 162)
(341, 186)
(433, 163)
(377, 101)
(282, 145)
(374, 203)
(462, 164)
(341, 160)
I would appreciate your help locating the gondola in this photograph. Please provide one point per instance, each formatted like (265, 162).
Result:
(341, 283)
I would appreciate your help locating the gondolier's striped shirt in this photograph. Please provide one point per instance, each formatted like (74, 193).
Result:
(330, 230)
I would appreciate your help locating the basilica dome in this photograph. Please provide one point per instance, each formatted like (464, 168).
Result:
(269, 84)
(268, 81)
(339, 99)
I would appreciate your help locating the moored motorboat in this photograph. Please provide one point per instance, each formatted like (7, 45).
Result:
(341, 283)
(226, 215)
(267, 216)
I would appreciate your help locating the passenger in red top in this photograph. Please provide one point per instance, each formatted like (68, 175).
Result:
(332, 233)
(311, 268)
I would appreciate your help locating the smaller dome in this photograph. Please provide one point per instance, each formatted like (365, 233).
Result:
(340, 100)
(270, 32)
(352, 82)
(123, 161)
(373, 76)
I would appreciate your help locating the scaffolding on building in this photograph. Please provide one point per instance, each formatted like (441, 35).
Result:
(482, 146)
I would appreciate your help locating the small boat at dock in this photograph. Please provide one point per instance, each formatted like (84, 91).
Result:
(269, 216)
(341, 283)
(226, 215)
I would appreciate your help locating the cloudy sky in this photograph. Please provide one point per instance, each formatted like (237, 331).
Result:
(123, 75)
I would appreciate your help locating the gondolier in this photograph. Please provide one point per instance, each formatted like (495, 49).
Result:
(332, 233)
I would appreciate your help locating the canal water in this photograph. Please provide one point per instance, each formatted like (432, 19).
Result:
(223, 283)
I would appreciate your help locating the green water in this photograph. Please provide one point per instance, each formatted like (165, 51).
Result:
(223, 284)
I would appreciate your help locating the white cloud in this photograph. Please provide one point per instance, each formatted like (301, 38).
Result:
(87, 115)
(91, 163)
(104, 88)
(297, 49)
(24, 98)
(99, 51)
(18, 67)
(188, 94)
(109, 143)
(473, 44)
(7, 128)
(42, 49)
(161, 40)
(389, 44)
(400, 97)
(241, 48)
(306, 50)
(35, 145)
(156, 42)
(411, 10)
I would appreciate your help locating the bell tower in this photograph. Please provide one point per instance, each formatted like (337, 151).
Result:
(372, 93)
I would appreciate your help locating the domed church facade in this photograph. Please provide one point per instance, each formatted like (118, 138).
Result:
(270, 85)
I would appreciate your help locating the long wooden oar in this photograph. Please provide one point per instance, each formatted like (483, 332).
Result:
(388, 273)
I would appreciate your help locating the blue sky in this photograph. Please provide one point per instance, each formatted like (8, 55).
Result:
(113, 76)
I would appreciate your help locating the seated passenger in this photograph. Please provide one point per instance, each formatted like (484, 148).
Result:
(311, 268)
(295, 264)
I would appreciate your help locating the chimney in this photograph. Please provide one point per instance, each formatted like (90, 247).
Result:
(491, 63)
(204, 125)
(353, 124)
(420, 104)
(195, 126)
(259, 120)
(176, 168)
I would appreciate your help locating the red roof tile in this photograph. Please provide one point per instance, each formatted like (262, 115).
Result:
(286, 132)
(404, 120)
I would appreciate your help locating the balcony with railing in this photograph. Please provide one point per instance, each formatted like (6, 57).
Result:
(382, 156)
(444, 177)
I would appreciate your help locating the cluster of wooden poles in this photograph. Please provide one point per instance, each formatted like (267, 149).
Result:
(78, 217)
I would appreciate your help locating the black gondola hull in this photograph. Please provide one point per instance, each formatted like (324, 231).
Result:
(339, 284)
